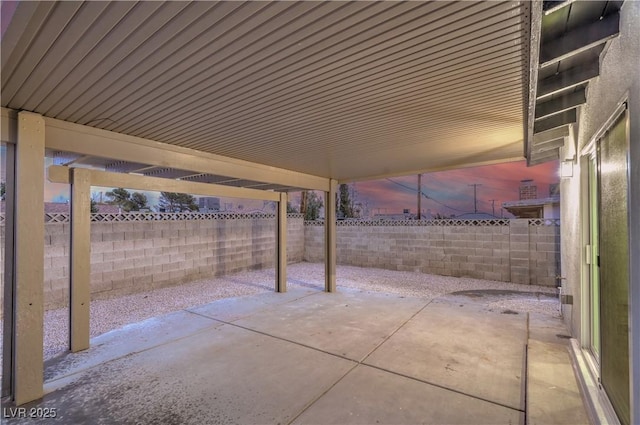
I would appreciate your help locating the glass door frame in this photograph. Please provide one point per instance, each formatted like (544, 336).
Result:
(592, 258)
(589, 159)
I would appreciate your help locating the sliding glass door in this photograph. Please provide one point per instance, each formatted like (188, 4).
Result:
(613, 229)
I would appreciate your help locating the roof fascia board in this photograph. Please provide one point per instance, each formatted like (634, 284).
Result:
(85, 140)
(61, 174)
(534, 58)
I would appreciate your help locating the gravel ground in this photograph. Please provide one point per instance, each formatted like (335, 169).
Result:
(113, 313)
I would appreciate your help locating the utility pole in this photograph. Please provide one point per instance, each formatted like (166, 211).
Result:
(303, 202)
(493, 206)
(419, 195)
(475, 196)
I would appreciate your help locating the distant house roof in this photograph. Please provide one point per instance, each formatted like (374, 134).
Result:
(530, 208)
(57, 207)
(476, 216)
(108, 209)
(398, 216)
(532, 202)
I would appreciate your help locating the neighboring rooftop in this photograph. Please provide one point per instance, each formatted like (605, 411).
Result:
(534, 208)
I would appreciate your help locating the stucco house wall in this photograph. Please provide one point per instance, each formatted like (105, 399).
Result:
(619, 81)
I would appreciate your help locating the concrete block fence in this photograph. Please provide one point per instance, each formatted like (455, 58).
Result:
(145, 253)
(133, 253)
(520, 251)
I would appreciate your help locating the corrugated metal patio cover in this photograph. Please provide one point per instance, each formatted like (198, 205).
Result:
(346, 90)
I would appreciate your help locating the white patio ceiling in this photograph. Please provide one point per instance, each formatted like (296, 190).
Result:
(346, 90)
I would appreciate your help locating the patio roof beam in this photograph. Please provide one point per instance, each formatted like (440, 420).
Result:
(82, 139)
(560, 104)
(59, 174)
(579, 40)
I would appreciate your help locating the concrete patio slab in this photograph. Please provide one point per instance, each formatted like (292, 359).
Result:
(553, 396)
(467, 349)
(371, 396)
(349, 324)
(549, 329)
(231, 309)
(222, 375)
(130, 339)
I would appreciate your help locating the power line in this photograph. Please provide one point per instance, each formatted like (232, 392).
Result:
(426, 196)
(419, 197)
(493, 206)
(475, 196)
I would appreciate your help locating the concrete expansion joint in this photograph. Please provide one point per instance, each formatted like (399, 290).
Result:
(525, 368)
(413, 378)
(322, 394)
(230, 323)
(395, 331)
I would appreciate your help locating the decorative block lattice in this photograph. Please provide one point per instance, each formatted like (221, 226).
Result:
(544, 222)
(447, 222)
(154, 216)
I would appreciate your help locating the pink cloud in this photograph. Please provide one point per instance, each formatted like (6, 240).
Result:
(451, 188)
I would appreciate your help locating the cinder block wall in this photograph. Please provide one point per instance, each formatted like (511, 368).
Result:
(519, 251)
(128, 257)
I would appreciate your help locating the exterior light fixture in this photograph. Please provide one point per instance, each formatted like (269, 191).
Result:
(566, 168)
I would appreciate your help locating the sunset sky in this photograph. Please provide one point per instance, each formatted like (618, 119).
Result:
(450, 190)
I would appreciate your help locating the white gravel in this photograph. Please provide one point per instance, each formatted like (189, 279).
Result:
(112, 313)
